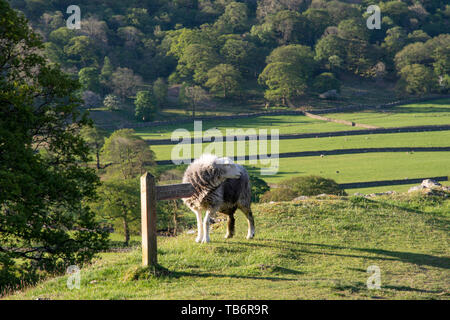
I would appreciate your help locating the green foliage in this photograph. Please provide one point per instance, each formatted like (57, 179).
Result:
(111, 102)
(258, 187)
(45, 222)
(95, 138)
(225, 79)
(119, 202)
(128, 153)
(326, 81)
(145, 106)
(278, 194)
(288, 72)
(160, 92)
(183, 40)
(418, 79)
(312, 186)
(89, 79)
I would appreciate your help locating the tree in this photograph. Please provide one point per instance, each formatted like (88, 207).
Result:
(111, 102)
(95, 138)
(418, 79)
(282, 82)
(326, 81)
(128, 153)
(106, 72)
(224, 78)
(124, 82)
(288, 72)
(192, 95)
(91, 99)
(195, 62)
(89, 79)
(292, 27)
(145, 106)
(45, 184)
(234, 19)
(81, 51)
(241, 54)
(160, 92)
(119, 201)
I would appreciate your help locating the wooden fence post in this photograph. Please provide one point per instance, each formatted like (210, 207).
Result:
(148, 219)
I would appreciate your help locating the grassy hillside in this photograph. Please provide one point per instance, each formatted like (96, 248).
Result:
(314, 249)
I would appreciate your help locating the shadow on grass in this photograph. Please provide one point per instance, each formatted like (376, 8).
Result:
(406, 288)
(419, 259)
(145, 273)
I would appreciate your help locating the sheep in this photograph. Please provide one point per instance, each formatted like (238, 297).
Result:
(220, 186)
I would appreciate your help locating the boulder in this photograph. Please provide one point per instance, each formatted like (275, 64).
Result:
(429, 183)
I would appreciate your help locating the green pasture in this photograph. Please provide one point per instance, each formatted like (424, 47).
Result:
(313, 249)
(288, 124)
(435, 112)
(392, 140)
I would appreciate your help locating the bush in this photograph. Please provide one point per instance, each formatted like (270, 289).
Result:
(258, 187)
(312, 186)
(326, 81)
(278, 194)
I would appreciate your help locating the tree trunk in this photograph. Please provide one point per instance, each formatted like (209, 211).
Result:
(193, 110)
(126, 231)
(98, 159)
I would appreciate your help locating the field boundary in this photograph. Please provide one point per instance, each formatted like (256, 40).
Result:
(382, 183)
(326, 153)
(271, 113)
(429, 128)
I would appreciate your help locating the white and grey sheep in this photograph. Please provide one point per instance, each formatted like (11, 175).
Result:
(220, 186)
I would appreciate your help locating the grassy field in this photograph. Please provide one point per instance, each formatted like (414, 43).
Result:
(435, 112)
(287, 124)
(407, 139)
(351, 167)
(314, 249)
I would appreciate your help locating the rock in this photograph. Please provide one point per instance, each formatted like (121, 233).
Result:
(331, 94)
(415, 189)
(358, 194)
(382, 193)
(429, 183)
(300, 198)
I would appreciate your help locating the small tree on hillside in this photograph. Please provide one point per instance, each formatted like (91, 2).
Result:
(128, 153)
(119, 201)
(95, 138)
(111, 102)
(225, 79)
(160, 92)
(145, 106)
(192, 95)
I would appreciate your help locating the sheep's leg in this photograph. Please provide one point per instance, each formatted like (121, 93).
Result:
(251, 222)
(230, 226)
(198, 214)
(206, 222)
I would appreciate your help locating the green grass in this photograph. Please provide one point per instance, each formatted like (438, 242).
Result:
(364, 166)
(407, 139)
(435, 112)
(288, 124)
(303, 250)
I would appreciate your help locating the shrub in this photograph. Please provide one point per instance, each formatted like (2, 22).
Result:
(258, 188)
(278, 194)
(326, 81)
(312, 186)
